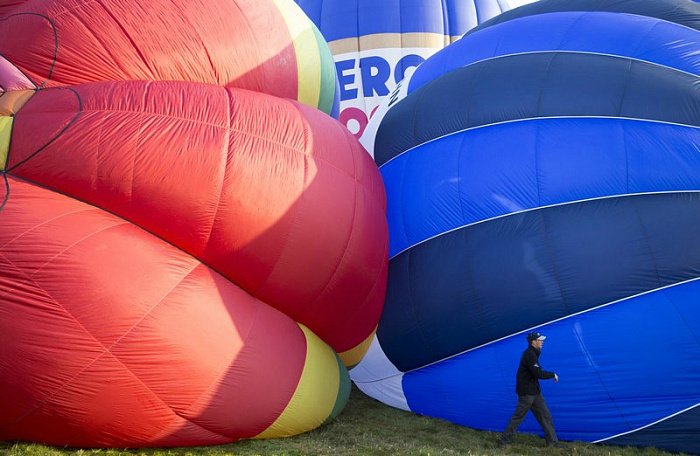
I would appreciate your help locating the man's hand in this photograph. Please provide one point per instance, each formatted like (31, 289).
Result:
(556, 378)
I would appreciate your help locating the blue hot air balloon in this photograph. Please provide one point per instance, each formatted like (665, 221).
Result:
(376, 44)
(543, 173)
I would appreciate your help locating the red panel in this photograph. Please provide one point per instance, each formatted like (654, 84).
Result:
(153, 325)
(354, 286)
(8, 5)
(239, 341)
(136, 150)
(312, 204)
(109, 336)
(28, 41)
(48, 122)
(237, 43)
(234, 401)
(276, 196)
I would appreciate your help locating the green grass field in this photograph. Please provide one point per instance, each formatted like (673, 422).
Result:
(367, 427)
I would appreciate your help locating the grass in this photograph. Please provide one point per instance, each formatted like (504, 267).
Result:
(366, 427)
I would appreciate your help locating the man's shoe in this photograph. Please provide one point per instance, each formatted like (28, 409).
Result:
(504, 441)
(556, 444)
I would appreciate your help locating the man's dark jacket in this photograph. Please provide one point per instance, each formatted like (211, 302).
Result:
(527, 381)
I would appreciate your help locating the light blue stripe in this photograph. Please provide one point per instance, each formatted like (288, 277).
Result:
(488, 172)
(643, 38)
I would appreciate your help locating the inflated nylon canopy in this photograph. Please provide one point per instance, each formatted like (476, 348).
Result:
(542, 174)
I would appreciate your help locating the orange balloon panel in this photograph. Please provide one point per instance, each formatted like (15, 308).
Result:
(276, 196)
(129, 340)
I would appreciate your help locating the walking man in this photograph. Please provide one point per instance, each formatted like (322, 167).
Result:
(527, 386)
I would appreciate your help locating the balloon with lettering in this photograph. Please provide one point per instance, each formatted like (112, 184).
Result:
(376, 44)
(542, 173)
(190, 254)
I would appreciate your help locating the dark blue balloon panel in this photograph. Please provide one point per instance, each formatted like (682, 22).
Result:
(547, 84)
(483, 282)
(622, 367)
(479, 174)
(638, 37)
(682, 12)
(543, 172)
(354, 18)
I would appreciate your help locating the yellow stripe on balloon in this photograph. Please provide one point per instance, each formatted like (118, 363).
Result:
(353, 356)
(306, 49)
(5, 134)
(316, 394)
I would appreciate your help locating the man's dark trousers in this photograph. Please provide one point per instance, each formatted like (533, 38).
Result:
(539, 409)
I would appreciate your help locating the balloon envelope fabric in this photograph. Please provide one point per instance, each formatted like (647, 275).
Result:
(545, 176)
(376, 44)
(266, 46)
(182, 262)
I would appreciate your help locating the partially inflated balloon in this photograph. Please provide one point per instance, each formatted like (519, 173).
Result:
(376, 44)
(542, 173)
(267, 46)
(180, 262)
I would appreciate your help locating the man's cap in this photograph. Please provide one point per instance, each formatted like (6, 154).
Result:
(534, 335)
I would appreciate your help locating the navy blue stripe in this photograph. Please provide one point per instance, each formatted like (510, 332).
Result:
(680, 433)
(684, 12)
(483, 282)
(478, 174)
(643, 38)
(538, 85)
(622, 367)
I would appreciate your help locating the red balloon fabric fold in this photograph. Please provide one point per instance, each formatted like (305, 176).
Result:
(191, 252)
